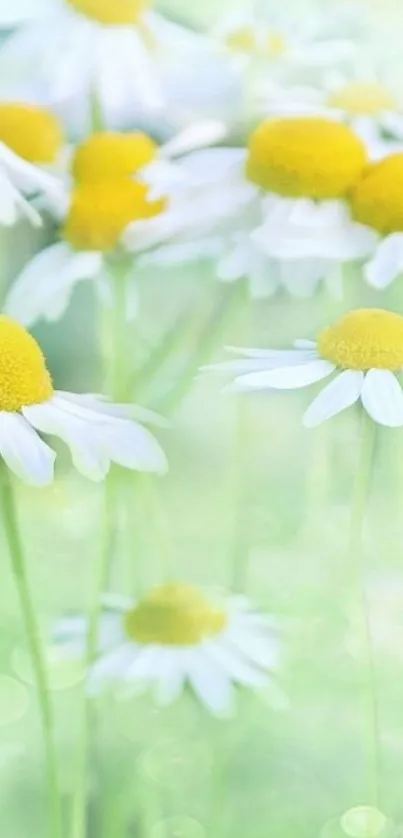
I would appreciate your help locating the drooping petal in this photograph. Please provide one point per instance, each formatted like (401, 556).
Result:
(387, 262)
(382, 397)
(341, 393)
(210, 683)
(285, 378)
(24, 452)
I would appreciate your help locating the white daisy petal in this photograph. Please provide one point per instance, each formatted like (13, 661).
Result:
(171, 676)
(24, 452)
(387, 262)
(195, 136)
(114, 665)
(382, 397)
(44, 286)
(236, 667)
(210, 683)
(285, 378)
(341, 393)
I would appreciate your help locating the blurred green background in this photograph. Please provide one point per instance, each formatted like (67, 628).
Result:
(252, 499)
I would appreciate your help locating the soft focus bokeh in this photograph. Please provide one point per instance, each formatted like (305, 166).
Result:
(252, 500)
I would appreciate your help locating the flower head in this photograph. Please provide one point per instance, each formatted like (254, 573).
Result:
(96, 432)
(365, 347)
(31, 132)
(305, 157)
(178, 635)
(118, 13)
(111, 155)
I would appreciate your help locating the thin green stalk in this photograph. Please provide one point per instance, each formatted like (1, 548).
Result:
(227, 303)
(359, 500)
(101, 573)
(11, 527)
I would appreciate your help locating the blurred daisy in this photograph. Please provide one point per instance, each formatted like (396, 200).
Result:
(365, 347)
(370, 105)
(97, 432)
(277, 208)
(106, 199)
(176, 636)
(284, 41)
(31, 146)
(85, 49)
(99, 213)
(377, 201)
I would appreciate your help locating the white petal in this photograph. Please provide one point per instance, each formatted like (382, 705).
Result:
(130, 445)
(146, 665)
(258, 648)
(198, 135)
(24, 452)
(286, 378)
(382, 397)
(387, 262)
(210, 683)
(234, 664)
(113, 665)
(341, 393)
(302, 343)
(171, 676)
(44, 287)
(88, 455)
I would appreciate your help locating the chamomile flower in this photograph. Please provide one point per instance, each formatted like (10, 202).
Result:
(31, 144)
(99, 213)
(97, 432)
(177, 636)
(365, 348)
(276, 208)
(377, 201)
(81, 49)
(283, 42)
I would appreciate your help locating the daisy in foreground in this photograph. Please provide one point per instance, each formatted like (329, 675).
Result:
(365, 348)
(98, 433)
(175, 636)
(277, 208)
(31, 145)
(110, 50)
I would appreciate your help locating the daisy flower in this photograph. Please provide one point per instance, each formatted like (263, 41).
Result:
(84, 49)
(98, 433)
(277, 208)
(377, 201)
(31, 145)
(364, 347)
(368, 103)
(105, 200)
(283, 41)
(177, 635)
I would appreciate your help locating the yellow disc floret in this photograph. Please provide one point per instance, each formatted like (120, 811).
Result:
(112, 12)
(362, 99)
(24, 378)
(33, 133)
(242, 40)
(305, 157)
(377, 199)
(110, 155)
(100, 212)
(364, 339)
(176, 615)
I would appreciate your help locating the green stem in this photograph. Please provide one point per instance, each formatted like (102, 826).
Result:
(359, 500)
(35, 646)
(101, 573)
(226, 304)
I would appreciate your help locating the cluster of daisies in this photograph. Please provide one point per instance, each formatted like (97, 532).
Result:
(272, 148)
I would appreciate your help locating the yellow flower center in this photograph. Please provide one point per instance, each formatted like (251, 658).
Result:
(305, 157)
(364, 339)
(100, 212)
(276, 45)
(24, 378)
(113, 12)
(109, 156)
(33, 133)
(242, 40)
(377, 199)
(174, 615)
(361, 99)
